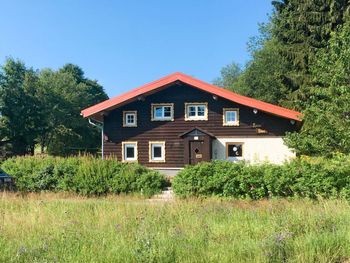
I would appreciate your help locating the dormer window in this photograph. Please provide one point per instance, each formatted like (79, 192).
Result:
(230, 117)
(196, 111)
(162, 112)
(129, 118)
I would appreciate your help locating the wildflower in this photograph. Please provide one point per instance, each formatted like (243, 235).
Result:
(117, 227)
(22, 250)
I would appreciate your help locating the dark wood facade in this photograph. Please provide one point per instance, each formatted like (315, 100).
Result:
(251, 125)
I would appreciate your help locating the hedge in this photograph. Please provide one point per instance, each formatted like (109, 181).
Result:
(303, 177)
(82, 175)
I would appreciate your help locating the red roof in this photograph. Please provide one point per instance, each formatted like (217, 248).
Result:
(161, 83)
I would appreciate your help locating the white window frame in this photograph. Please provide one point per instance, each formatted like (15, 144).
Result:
(163, 118)
(196, 118)
(153, 159)
(230, 123)
(126, 145)
(125, 118)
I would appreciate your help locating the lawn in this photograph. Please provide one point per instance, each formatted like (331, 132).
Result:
(63, 228)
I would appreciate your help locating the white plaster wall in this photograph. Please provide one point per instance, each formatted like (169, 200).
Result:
(255, 150)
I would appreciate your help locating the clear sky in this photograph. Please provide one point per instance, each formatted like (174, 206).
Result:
(124, 44)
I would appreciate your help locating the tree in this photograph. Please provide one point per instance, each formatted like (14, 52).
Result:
(284, 51)
(44, 108)
(19, 107)
(229, 76)
(266, 75)
(326, 128)
(303, 28)
(65, 93)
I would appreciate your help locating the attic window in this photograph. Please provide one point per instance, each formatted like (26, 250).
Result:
(196, 111)
(129, 118)
(162, 112)
(230, 117)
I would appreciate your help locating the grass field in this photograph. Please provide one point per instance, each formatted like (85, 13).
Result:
(58, 228)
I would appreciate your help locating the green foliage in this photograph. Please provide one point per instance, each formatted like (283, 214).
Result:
(229, 76)
(19, 107)
(83, 175)
(266, 76)
(43, 107)
(326, 128)
(303, 177)
(304, 29)
(282, 56)
(62, 92)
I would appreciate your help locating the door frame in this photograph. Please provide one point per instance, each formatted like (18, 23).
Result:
(197, 134)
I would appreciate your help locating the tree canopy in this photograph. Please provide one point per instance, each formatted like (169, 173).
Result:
(326, 128)
(279, 71)
(43, 108)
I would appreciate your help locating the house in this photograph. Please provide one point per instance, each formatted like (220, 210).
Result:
(179, 120)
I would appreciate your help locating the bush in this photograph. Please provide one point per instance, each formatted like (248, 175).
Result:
(83, 175)
(302, 177)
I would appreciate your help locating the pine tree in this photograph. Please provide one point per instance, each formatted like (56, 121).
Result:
(283, 53)
(326, 128)
(303, 28)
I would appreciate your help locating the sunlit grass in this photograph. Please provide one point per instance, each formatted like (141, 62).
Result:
(66, 228)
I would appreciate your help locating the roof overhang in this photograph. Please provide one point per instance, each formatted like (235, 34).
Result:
(97, 111)
(197, 129)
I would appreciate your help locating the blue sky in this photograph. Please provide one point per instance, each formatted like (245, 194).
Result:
(124, 44)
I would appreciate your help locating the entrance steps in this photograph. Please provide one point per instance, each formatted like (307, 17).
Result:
(168, 172)
(167, 195)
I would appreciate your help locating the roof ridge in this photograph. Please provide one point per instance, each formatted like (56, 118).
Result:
(227, 94)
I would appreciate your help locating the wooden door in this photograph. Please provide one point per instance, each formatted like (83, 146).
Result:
(196, 152)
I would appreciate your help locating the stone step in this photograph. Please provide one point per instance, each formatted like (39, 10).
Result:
(167, 194)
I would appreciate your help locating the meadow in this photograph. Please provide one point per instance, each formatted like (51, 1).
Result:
(68, 228)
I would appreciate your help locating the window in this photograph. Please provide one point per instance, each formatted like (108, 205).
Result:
(230, 117)
(234, 150)
(129, 118)
(163, 112)
(157, 151)
(129, 151)
(196, 111)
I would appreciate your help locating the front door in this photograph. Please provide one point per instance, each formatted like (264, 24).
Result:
(196, 152)
(197, 146)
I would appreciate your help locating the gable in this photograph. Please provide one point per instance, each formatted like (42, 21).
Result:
(196, 132)
(97, 110)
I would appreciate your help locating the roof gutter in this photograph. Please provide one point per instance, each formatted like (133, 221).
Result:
(100, 127)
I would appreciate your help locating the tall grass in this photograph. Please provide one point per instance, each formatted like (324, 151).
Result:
(56, 228)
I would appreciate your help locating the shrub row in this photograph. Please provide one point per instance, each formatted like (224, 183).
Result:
(303, 177)
(83, 175)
